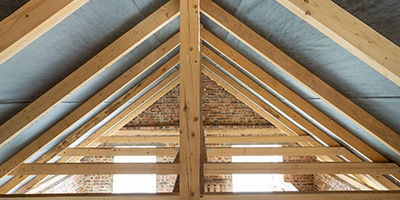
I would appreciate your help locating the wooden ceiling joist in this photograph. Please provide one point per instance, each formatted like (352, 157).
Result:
(265, 151)
(96, 168)
(302, 168)
(350, 33)
(209, 168)
(211, 140)
(290, 96)
(207, 132)
(232, 86)
(47, 137)
(190, 102)
(331, 195)
(119, 152)
(251, 100)
(163, 87)
(272, 54)
(88, 71)
(31, 21)
(251, 151)
(164, 196)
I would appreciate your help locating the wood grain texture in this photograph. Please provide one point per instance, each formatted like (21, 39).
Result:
(210, 168)
(213, 140)
(350, 33)
(135, 109)
(46, 138)
(31, 21)
(190, 101)
(302, 168)
(255, 103)
(289, 95)
(278, 58)
(103, 60)
(269, 97)
(97, 168)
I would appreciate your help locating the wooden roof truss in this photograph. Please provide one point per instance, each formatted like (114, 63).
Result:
(369, 171)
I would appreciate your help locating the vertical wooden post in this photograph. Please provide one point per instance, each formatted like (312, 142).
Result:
(190, 100)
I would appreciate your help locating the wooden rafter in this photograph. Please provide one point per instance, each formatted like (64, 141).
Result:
(252, 101)
(350, 33)
(88, 71)
(190, 102)
(289, 95)
(271, 53)
(269, 97)
(162, 88)
(233, 86)
(31, 21)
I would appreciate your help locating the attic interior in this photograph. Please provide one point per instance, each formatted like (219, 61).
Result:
(199, 99)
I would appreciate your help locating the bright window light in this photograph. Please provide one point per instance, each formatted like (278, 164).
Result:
(259, 182)
(135, 183)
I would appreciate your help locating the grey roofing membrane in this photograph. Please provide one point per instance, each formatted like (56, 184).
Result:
(71, 43)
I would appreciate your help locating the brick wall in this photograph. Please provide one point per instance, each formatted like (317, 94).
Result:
(69, 184)
(219, 108)
(328, 182)
(98, 183)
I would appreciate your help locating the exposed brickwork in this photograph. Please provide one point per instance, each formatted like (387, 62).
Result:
(69, 184)
(303, 182)
(219, 108)
(98, 183)
(327, 182)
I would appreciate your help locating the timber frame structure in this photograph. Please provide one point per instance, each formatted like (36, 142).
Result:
(203, 52)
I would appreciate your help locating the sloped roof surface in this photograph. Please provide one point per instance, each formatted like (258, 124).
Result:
(79, 37)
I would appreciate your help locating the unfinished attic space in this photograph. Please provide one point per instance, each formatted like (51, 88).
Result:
(200, 99)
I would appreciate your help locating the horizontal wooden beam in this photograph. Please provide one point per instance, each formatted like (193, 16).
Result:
(209, 168)
(96, 168)
(302, 168)
(119, 152)
(165, 196)
(273, 84)
(251, 151)
(30, 22)
(163, 86)
(267, 151)
(269, 97)
(227, 139)
(350, 33)
(175, 132)
(331, 195)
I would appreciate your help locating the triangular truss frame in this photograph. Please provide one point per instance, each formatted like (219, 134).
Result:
(192, 168)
